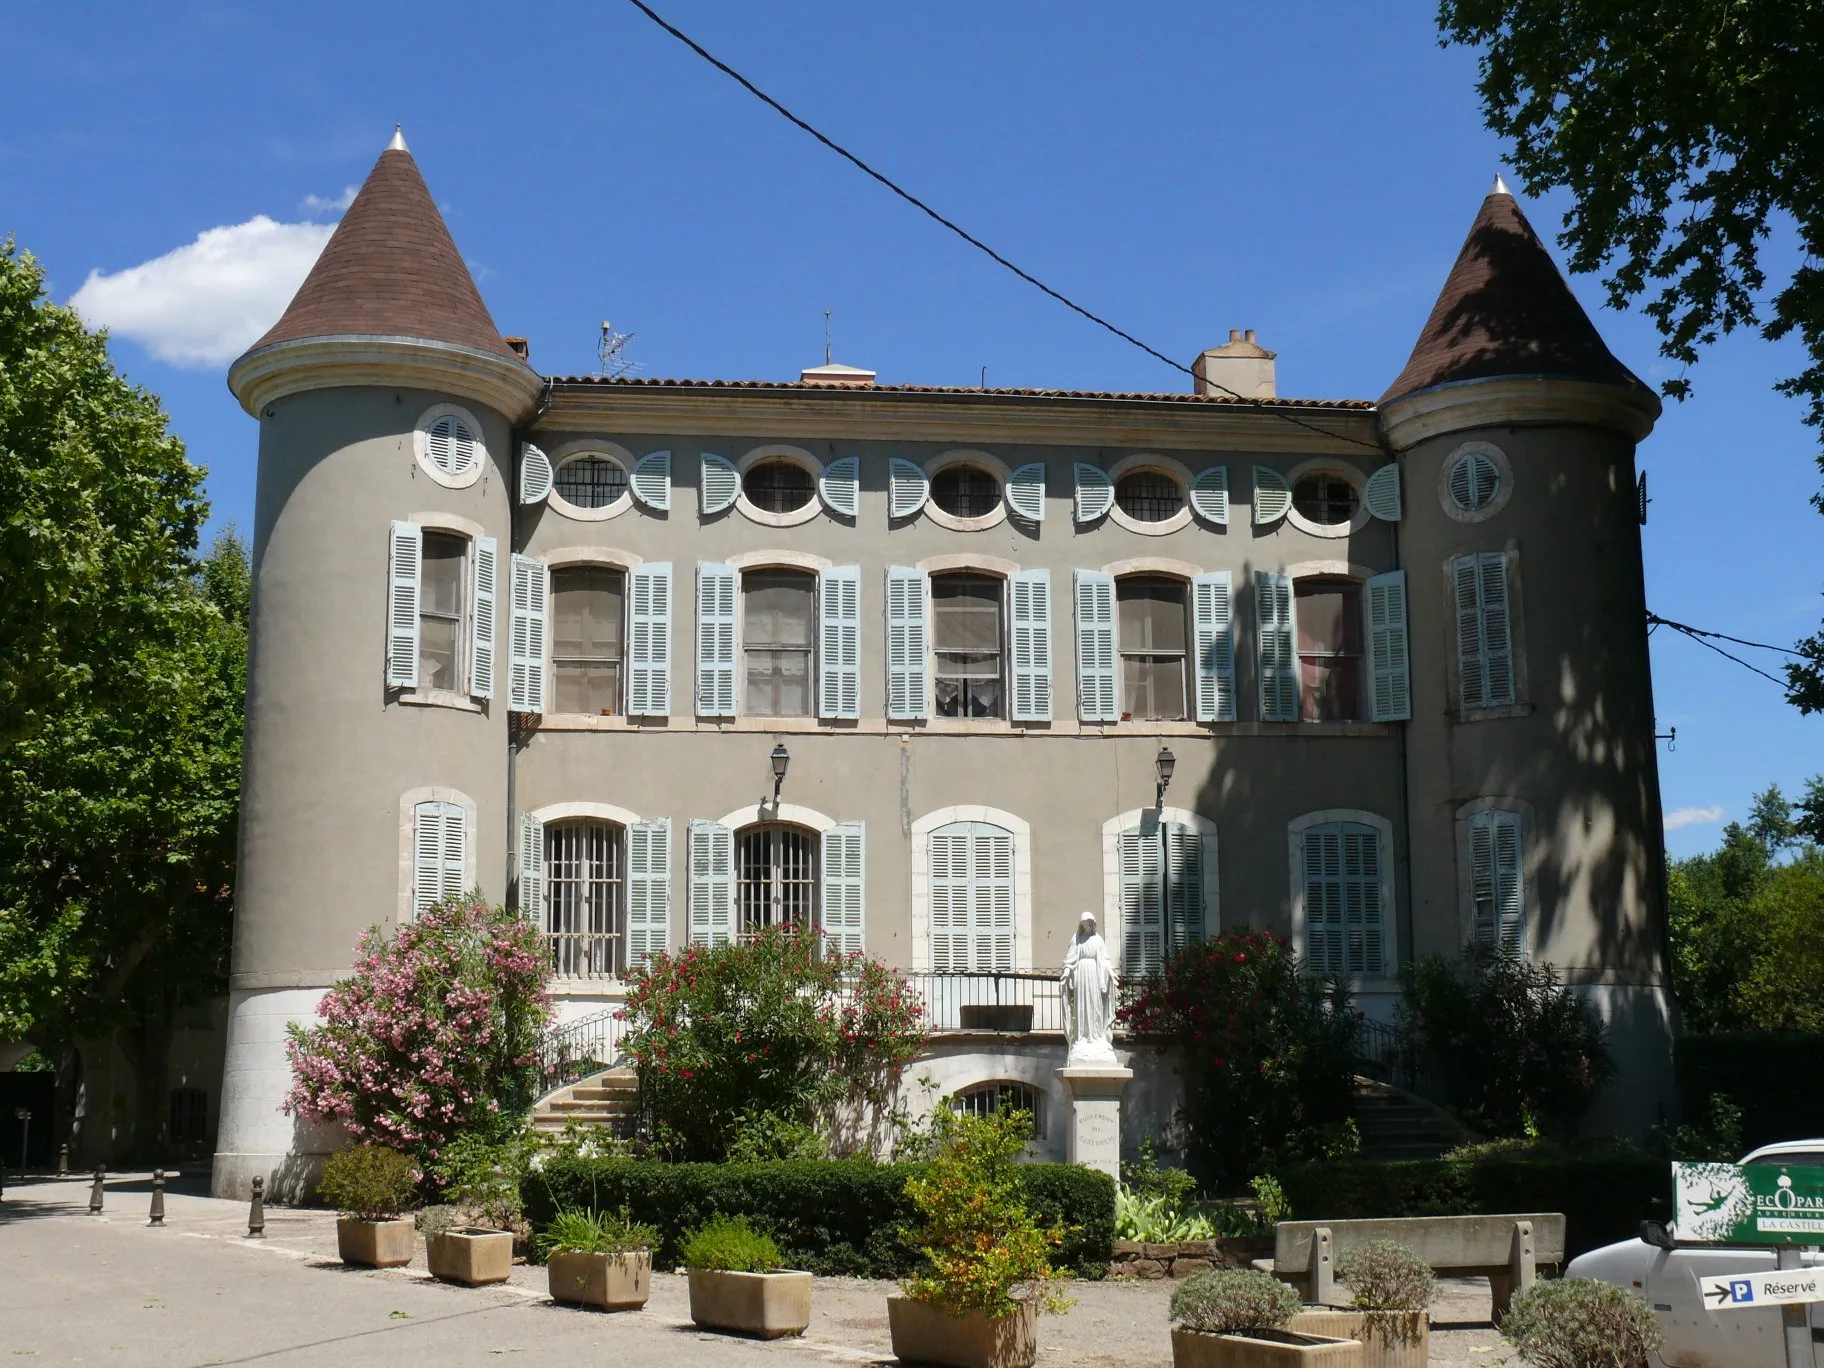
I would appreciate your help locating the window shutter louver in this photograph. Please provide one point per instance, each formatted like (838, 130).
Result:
(1142, 903)
(1095, 493)
(993, 886)
(404, 568)
(839, 651)
(1278, 641)
(1381, 493)
(908, 610)
(1272, 496)
(1470, 679)
(452, 446)
(532, 869)
(1213, 621)
(651, 480)
(1343, 913)
(529, 613)
(718, 485)
(971, 891)
(1474, 481)
(1025, 492)
(486, 600)
(1485, 665)
(1097, 700)
(1388, 659)
(840, 486)
(907, 488)
(712, 883)
(716, 590)
(1183, 879)
(1030, 591)
(1497, 881)
(648, 889)
(1210, 495)
(649, 641)
(844, 888)
(439, 854)
(535, 474)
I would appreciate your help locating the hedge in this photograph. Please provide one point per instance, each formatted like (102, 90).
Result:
(1770, 1075)
(842, 1216)
(1603, 1200)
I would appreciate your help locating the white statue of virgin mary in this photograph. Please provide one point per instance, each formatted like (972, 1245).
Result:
(1089, 997)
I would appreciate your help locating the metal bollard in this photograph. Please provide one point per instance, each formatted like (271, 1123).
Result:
(95, 1193)
(256, 1213)
(63, 1161)
(158, 1198)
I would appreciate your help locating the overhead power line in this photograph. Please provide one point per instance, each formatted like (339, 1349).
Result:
(1699, 635)
(967, 236)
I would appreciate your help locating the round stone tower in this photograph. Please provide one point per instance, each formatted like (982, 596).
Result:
(375, 766)
(1531, 750)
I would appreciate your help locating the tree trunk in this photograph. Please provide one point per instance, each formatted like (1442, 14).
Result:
(147, 1046)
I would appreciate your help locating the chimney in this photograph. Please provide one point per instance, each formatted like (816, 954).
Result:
(835, 375)
(1240, 366)
(521, 348)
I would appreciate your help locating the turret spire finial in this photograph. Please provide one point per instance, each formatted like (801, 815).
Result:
(398, 142)
(1500, 187)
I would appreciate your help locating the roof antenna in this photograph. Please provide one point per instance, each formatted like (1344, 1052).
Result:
(826, 337)
(984, 377)
(610, 353)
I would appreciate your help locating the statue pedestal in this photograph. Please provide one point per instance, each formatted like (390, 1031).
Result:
(1095, 1091)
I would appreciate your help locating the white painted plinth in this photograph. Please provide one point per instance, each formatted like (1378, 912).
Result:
(1094, 1092)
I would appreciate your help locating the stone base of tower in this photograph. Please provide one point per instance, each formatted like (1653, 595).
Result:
(1641, 1024)
(255, 1137)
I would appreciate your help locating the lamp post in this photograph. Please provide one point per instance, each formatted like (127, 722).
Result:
(781, 757)
(1163, 765)
(24, 1116)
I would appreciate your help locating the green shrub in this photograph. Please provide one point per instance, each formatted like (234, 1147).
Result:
(1232, 1301)
(1769, 1074)
(1153, 1220)
(1580, 1323)
(1384, 1275)
(594, 1232)
(369, 1183)
(729, 1244)
(1147, 1177)
(765, 1138)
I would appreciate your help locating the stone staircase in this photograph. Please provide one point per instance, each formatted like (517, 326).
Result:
(609, 1099)
(1396, 1124)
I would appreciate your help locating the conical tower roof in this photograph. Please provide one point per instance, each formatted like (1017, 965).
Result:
(1506, 310)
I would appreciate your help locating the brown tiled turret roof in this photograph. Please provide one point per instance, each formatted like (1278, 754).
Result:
(1506, 310)
(391, 270)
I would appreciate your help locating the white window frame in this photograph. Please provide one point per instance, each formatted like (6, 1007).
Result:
(606, 558)
(1342, 471)
(968, 456)
(1114, 930)
(1144, 462)
(406, 910)
(452, 525)
(1529, 869)
(1295, 833)
(421, 445)
(814, 507)
(814, 566)
(921, 878)
(569, 451)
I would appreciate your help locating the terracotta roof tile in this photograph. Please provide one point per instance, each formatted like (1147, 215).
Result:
(1171, 397)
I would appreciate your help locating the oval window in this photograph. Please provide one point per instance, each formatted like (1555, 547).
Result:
(590, 481)
(1327, 500)
(778, 486)
(1475, 480)
(452, 446)
(965, 491)
(1148, 496)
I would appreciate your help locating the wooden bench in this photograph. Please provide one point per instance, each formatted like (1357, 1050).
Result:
(1507, 1250)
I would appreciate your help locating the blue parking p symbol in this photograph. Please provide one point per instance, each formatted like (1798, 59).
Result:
(1741, 1290)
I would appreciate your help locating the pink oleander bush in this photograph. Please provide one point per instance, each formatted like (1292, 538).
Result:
(433, 1036)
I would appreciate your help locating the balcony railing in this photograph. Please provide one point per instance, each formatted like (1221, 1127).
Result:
(990, 1001)
(579, 1048)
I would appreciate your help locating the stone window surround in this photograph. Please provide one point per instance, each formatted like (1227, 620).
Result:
(1328, 465)
(1529, 868)
(421, 445)
(1109, 923)
(457, 526)
(1332, 569)
(1522, 705)
(1174, 470)
(610, 558)
(590, 446)
(577, 989)
(994, 567)
(1295, 841)
(764, 560)
(408, 802)
(972, 457)
(1494, 505)
(1019, 829)
(796, 455)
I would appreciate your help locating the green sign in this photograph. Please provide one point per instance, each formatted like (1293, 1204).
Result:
(1748, 1204)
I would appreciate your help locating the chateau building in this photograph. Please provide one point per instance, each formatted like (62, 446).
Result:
(937, 669)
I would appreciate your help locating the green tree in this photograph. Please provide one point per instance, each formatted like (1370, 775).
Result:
(1686, 131)
(1783, 989)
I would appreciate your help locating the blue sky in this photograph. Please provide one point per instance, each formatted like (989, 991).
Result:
(1305, 169)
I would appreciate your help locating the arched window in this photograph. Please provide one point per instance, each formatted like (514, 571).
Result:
(1497, 880)
(588, 604)
(776, 877)
(1328, 611)
(585, 898)
(972, 898)
(1344, 897)
(1163, 893)
(967, 635)
(778, 640)
(1154, 635)
(990, 1099)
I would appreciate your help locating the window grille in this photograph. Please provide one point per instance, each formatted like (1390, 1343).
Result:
(965, 491)
(591, 481)
(585, 907)
(1148, 496)
(1327, 500)
(775, 877)
(189, 1116)
(966, 612)
(778, 486)
(990, 1099)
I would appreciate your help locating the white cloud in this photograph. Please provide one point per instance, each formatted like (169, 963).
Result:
(204, 304)
(317, 204)
(1692, 816)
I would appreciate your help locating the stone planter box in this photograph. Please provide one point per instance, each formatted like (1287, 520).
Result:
(613, 1282)
(765, 1305)
(924, 1333)
(470, 1256)
(1389, 1339)
(1266, 1349)
(376, 1244)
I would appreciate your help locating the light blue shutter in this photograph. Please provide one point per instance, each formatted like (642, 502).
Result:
(839, 652)
(844, 888)
(1391, 674)
(1025, 492)
(1210, 495)
(1485, 664)
(439, 854)
(486, 599)
(1031, 633)
(1183, 878)
(1498, 881)
(404, 569)
(840, 485)
(1343, 921)
(716, 586)
(908, 609)
(651, 480)
(1381, 494)
(535, 474)
(649, 641)
(907, 488)
(712, 883)
(1272, 495)
(1097, 699)
(1142, 901)
(1278, 642)
(718, 485)
(528, 609)
(1095, 493)
(648, 889)
(532, 869)
(1213, 623)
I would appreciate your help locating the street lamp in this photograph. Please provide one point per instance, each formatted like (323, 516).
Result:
(781, 757)
(23, 1115)
(1163, 764)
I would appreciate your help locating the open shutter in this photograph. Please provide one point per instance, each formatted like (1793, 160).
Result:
(1210, 495)
(1278, 665)
(907, 488)
(1142, 903)
(532, 869)
(1213, 623)
(651, 480)
(1272, 495)
(1031, 622)
(1388, 662)
(839, 650)
(840, 486)
(1381, 494)
(716, 640)
(529, 611)
(486, 599)
(1025, 492)
(1097, 700)
(718, 485)
(535, 475)
(908, 609)
(1095, 493)
(648, 889)
(649, 641)
(712, 883)
(404, 567)
(1183, 880)
(844, 893)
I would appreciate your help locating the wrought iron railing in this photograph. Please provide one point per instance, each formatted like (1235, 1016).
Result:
(1383, 1053)
(990, 1001)
(579, 1048)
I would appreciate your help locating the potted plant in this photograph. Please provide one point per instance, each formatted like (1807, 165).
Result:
(1391, 1289)
(738, 1281)
(1580, 1323)
(1237, 1318)
(987, 1273)
(457, 1249)
(594, 1259)
(371, 1187)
